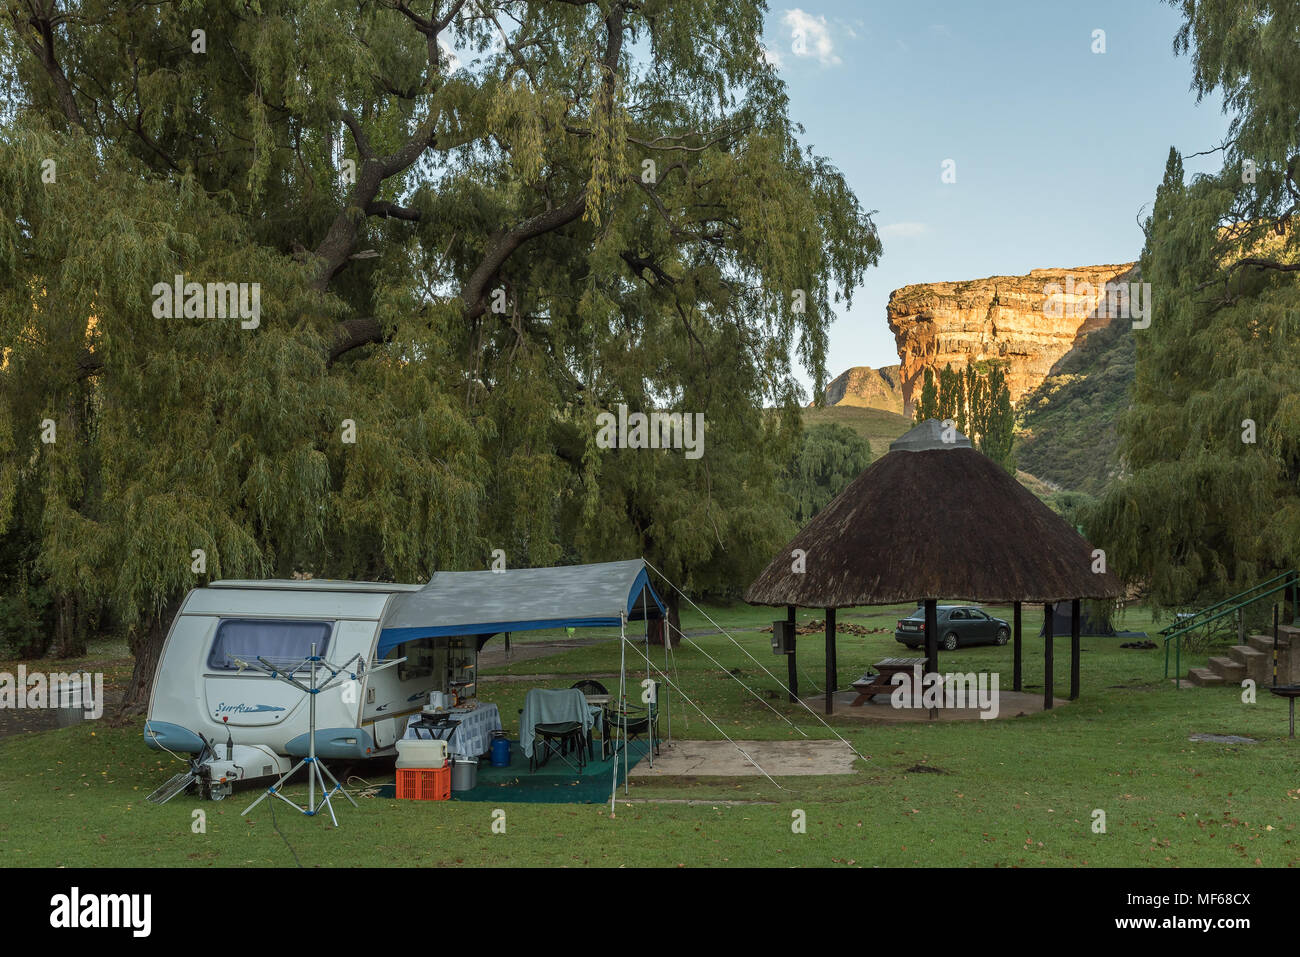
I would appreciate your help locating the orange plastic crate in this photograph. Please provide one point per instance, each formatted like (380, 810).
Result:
(424, 784)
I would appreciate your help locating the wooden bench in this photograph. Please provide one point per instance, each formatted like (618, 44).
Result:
(869, 685)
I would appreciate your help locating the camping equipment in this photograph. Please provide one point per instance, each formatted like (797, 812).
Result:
(471, 735)
(625, 724)
(500, 750)
(418, 753)
(206, 687)
(424, 784)
(553, 707)
(464, 773)
(560, 738)
(317, 772)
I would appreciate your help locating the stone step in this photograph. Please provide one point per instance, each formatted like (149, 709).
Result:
(1264, 643)
(1204, 678)
(1247, 655)
(1287, 633)
(1231, 670)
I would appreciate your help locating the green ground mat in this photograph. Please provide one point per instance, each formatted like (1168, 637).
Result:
(555, 783)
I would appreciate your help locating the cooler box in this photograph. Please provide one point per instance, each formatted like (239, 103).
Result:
(418, 753)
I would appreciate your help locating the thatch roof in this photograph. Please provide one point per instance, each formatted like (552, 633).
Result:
(933, 519)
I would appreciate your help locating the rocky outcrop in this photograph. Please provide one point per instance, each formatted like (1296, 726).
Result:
(1026, 323)
(867, 387)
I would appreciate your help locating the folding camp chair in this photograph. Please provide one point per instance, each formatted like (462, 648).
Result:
(559, 738)
(630, 723)
(567, 731)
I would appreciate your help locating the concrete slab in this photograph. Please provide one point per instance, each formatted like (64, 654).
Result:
(1221, 738)
(1011, 704)
(721, 759)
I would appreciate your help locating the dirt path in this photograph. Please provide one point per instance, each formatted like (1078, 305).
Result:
(496, 657)
(15, 721)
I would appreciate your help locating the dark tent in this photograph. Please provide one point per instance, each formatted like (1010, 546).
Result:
(1089, 624)
(1094, 626)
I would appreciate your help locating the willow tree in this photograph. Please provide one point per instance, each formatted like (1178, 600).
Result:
(830, 458)
(1210, 498)
(474, 226)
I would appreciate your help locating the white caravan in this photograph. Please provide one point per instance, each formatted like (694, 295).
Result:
(244, 724)
(236, 722)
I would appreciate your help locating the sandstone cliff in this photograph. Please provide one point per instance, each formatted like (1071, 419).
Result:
(867, 387)
(1002, 318)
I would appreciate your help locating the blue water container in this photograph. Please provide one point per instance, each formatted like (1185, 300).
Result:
(500, 752)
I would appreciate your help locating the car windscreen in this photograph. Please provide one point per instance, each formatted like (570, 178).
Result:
(283, 643)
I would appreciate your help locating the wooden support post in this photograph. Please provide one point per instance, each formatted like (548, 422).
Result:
(1017, 650)
(792, 670)
(1047, 657)
(931, 638)
(831, 680)
(1074, 649)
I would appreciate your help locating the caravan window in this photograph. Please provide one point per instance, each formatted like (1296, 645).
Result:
(282, 643)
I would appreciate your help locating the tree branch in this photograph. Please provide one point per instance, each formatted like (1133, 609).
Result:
(42, 22)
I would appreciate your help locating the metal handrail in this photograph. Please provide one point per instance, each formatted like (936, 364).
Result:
(1280, 583)
(1188, 622)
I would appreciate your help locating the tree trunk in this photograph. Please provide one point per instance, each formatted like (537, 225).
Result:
(672, 624)
(70, 628)
(147, 649)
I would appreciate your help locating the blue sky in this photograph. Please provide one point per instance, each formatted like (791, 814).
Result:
(1057, 149)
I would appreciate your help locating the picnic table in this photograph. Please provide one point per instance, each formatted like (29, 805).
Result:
(869, 685)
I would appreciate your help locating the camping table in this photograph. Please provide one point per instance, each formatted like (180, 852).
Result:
(868, 686)
(472, 735)
(597, 704)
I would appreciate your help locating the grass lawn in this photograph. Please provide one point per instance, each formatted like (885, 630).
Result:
(1014, 792)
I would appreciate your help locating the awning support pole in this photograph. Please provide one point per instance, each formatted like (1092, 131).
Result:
(667, 711)
(655, 687)
(622, 705)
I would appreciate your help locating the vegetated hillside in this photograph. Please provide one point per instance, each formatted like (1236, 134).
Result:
(864, 386)
(875, 425)
(1068, 423)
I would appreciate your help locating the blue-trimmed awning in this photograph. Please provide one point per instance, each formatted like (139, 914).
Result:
(521, 599)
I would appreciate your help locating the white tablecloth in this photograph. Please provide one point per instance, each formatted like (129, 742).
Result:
(473, 735)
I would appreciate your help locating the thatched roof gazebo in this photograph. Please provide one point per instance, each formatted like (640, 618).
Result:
(935, 519)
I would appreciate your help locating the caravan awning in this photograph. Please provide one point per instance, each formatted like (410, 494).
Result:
(521, 599)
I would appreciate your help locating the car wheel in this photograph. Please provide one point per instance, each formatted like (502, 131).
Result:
(1003, 636)
(950, 641)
